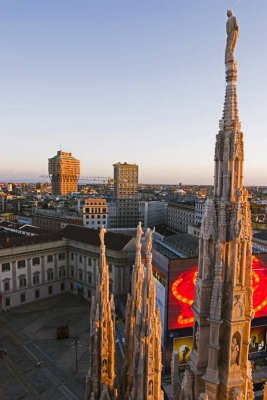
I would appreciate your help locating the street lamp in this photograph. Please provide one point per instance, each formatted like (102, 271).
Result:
(75, 344)
(3, 352)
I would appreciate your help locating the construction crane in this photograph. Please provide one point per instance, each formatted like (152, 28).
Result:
(106, 180)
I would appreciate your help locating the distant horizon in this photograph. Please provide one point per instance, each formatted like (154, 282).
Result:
(25, 180)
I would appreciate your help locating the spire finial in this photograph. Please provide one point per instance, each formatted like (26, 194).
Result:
(232, 31)
(139, 234)
(102, 233)
(149, 240)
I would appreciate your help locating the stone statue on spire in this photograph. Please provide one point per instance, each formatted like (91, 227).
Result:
(232, 30)
(223, 303)
(139, 234)
(102, 233)
(149, 239)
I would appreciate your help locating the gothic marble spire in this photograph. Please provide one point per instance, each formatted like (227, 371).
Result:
(223, 301)
(133, 311)
(143, 331)
(100, 380)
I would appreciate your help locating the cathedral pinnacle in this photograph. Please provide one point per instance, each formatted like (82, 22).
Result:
(100, 380)
(223, 298)
(142, 361)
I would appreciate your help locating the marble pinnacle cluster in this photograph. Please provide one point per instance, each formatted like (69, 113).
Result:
(142, 365)
(142, 359)
(223, 309)
(100, 380)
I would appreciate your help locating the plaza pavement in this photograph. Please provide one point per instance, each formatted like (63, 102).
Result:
(29, 335)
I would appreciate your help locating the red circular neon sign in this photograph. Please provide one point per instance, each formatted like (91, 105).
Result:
(183, 290)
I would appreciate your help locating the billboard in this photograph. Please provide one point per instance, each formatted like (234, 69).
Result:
(183, 346)
(182, 289)
(257, 340)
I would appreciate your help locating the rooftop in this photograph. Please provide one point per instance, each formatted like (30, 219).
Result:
(113, 241)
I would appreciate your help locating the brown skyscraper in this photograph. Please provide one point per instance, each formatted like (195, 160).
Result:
(125, 181)
(126, 194)
(64, 171)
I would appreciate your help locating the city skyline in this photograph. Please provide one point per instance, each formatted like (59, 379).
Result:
(122, 78)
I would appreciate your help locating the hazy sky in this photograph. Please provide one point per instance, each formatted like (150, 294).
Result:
(128, 80)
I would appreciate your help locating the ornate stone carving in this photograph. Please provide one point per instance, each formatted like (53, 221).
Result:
(235, 349)
(216, 299)
(139, 234)
(176, 383)
(237, 394)
(187, 386)
(149, 239)
(239, 305)
(250, 394)
(208, 225)
(102, 233)
(197, 337)
(207, 266)
(142, 360)
(100, 380)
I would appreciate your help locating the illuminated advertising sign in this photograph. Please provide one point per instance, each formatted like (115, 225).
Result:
(182, 290)
(257, 340)
(183, 346)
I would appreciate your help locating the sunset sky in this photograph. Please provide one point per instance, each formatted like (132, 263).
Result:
(128, 80)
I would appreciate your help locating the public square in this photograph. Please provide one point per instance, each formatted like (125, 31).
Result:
(29, 334)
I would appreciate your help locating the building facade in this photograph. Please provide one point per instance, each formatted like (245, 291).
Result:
(124, 208)
(125, 181)
(179, 216)
(36, 267)
(152, 213)
(95, 213)
(64, 171)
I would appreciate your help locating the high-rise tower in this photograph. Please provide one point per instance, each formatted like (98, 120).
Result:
(126, 195)
(143, 330)
(64, 171)
(100, 380)
(223, 300)
(125, 181)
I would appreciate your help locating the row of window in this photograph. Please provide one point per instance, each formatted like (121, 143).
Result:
(50, 276)
(35, 261)
(95, 210)
(36, 294)
(93, 216)
(49, 291)
(35, 278)
(90, 260)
